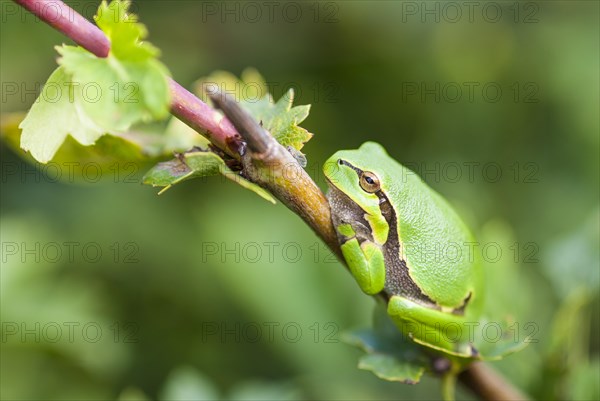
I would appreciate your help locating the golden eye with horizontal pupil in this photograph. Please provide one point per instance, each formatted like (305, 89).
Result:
(369, 182)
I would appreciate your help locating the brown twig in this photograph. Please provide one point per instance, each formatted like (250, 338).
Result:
(489, 384)
(266, 163)
(270, 165)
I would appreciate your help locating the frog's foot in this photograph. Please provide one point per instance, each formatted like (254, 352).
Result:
(366, 264)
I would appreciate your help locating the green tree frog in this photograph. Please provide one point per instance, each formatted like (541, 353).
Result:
(400, 237)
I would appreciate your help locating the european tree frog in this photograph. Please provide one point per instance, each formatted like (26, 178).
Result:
(401, 237)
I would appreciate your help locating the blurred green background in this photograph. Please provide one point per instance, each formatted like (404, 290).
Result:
(210, 291)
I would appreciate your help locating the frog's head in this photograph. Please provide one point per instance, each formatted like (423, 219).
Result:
(357, 181)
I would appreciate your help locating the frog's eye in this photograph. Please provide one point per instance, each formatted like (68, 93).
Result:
(369, 182)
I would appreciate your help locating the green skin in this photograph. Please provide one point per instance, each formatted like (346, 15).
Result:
(402, 238)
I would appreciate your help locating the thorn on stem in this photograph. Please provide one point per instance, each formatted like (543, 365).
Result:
(258, 139)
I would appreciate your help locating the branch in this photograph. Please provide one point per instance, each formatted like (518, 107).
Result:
(266, 162)
(271, 166)
(488, 384)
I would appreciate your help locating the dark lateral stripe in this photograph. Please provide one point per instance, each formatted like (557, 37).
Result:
(400, 281)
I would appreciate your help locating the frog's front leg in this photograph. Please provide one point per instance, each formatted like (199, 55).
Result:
(366, 261)
(431, 327)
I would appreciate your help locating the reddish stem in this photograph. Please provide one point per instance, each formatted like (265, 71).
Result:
(201, 117)
(68, 21)
(184, 105)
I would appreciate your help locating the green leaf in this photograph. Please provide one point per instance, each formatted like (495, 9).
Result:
(389, 355)
(124, 31)
(116, 94)
(52, 117)
(193, 164)
(87, 96)
(119, 157)
(279, 118)
(390, 368)
(186, 166)
(143, 79)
